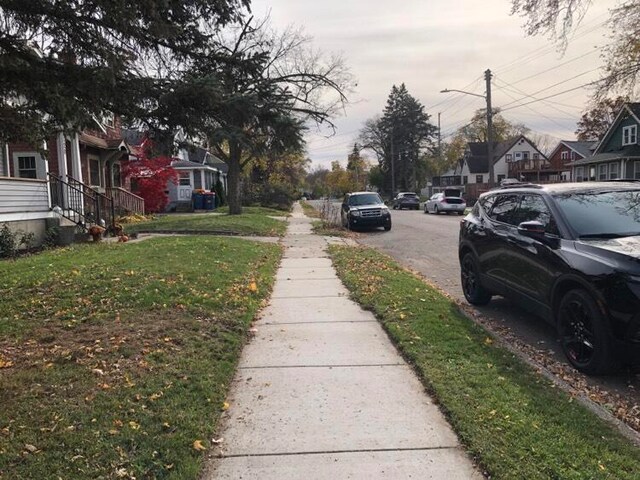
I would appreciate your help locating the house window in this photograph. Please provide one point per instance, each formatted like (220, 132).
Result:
(564, 155)
(185, 179)
(579, 174)
(27, 167)
(509, 157)
(500, 178)
(94, 172)
(525, 155)
(636, 170)
(603, 171)
(117, 175)
(573, 155)
(518, 155)
(479, 179)
(614, 171)
(630, 135)
(465, 179)
(536, 156)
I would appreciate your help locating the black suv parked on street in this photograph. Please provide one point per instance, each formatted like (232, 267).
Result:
(568, 252)
(364, 209)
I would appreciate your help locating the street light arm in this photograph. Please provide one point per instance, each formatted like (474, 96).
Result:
(449, 90)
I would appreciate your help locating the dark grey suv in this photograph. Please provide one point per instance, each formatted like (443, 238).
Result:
(568, 252)
(364, 209)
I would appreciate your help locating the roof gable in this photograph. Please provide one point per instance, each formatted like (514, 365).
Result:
(627, 110)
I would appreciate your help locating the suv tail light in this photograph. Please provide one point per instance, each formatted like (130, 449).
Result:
(444, 200)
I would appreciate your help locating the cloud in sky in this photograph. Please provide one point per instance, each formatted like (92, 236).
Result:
(436, 44)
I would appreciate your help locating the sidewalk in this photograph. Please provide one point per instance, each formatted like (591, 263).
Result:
(321, 393)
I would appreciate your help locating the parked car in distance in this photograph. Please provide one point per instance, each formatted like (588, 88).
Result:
(408, 200)
(568, 252)
(364, 209)
(447, 201)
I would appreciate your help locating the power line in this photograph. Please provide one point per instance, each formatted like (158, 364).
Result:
(591, 52)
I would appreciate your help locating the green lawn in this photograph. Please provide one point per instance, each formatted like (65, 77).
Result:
(116, 358)
(513, 421)
(253, 221)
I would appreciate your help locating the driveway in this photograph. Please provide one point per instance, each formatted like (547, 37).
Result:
(428, 244)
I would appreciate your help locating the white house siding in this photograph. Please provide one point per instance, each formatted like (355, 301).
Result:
(23, 196)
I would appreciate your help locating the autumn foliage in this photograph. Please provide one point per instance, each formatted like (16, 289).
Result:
(150, 177)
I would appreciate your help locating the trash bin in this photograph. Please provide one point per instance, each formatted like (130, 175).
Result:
(198, 201)
(209, 201)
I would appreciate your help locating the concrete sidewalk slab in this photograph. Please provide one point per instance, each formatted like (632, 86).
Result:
(313, 344)
(308, 288)
(430, 464)
(306, 262)
(319, 409)
(313, 310)
(306, 273)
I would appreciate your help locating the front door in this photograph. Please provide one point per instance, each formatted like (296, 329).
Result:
(184, 187)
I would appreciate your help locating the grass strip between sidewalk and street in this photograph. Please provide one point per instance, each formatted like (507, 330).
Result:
(254, 221)
(512, 420)
(115, 359)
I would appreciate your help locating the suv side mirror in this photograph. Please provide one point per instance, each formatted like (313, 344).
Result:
(531, 229)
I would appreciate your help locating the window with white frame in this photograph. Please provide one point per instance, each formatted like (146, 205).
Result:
(603, 171)
(27, 167)
(579, 174)
(614, 171)
(564, 155)
(185, 179)
(636, 170)
(630, 135)
(525, 155)
(573, 155)
(518, 155)
(508, 157)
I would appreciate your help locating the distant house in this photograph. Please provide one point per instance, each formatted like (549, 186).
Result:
(617, 154)
(198, 169)
(516, 158)
(566, 152)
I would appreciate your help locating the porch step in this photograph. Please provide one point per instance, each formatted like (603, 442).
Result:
(184, 207)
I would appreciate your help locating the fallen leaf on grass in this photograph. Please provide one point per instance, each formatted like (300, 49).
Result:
(30, 448)
(197, 445)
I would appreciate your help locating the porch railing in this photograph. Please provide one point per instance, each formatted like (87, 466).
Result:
(125, 202)
(80, 203)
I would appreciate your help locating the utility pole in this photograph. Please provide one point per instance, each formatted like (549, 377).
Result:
(487, 76)
(439, 140)
(393, 172)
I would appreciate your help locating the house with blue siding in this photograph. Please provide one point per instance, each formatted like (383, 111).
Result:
(617, 154)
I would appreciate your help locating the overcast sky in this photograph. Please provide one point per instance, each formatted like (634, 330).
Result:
(431, 45)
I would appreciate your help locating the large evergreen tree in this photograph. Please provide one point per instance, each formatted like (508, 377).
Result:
(258, 100)
(64, 62)
(399, 138)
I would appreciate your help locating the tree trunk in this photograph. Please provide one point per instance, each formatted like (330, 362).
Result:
(233, 179)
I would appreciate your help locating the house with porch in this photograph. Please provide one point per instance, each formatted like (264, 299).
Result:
(516, 158)
(198, 169)
(76, 176)
(565, 153)
(617, 154)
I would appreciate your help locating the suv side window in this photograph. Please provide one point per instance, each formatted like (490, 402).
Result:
(534, 208)
(504, 209)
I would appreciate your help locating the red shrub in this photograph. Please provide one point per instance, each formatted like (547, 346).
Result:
(150, 178)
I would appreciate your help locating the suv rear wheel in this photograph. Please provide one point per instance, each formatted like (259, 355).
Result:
(473, 290)
(583, 333)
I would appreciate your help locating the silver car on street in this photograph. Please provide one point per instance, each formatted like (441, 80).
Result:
(450, 200)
